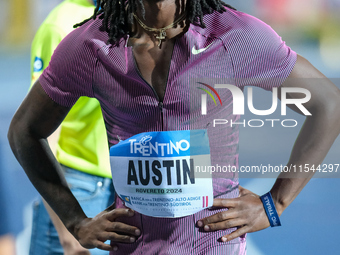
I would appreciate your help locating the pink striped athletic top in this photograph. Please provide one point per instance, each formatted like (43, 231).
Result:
(234, 48)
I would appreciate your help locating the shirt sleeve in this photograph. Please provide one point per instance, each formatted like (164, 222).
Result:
(44, 43)
(260, 57)
(70, 71)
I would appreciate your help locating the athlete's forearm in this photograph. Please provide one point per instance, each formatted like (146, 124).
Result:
(311, 147)
(35, 120)
(45, 173)
(59, 226)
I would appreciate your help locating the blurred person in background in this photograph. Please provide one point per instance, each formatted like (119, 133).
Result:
(7, 245)
(80, 143)
(127, 69)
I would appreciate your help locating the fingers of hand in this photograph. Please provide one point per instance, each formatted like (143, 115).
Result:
(120, 238)
(96, 243)
(237, 233)
(122, 228)
(119, 212)
(225, 203)
(103, 246)
(224, 225)
(94, 232)
(246, 213)
(218, 217)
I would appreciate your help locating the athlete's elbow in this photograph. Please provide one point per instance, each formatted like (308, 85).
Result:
(15, 135)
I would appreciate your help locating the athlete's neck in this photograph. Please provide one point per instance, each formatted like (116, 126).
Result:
(158, 14)
(161, 13)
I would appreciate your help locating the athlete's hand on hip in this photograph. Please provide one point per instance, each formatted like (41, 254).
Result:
(94, 232)
(245, 212)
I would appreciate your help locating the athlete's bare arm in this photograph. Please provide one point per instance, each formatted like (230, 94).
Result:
(312, 144)
(37, 117)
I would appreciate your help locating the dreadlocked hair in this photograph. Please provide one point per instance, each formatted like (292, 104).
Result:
(118, 17)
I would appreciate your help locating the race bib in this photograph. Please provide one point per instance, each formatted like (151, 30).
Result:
(154, 172)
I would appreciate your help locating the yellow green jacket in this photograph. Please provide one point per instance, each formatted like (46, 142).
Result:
(83, 141)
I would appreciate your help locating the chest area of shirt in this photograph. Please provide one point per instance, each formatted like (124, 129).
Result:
(153, 63)
(190, 63)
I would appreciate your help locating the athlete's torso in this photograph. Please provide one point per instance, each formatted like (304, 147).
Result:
(234, 48)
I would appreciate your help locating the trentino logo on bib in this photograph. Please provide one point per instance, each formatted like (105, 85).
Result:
(160, 144)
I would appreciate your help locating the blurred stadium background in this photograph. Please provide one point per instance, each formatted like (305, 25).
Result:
(311, 27)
